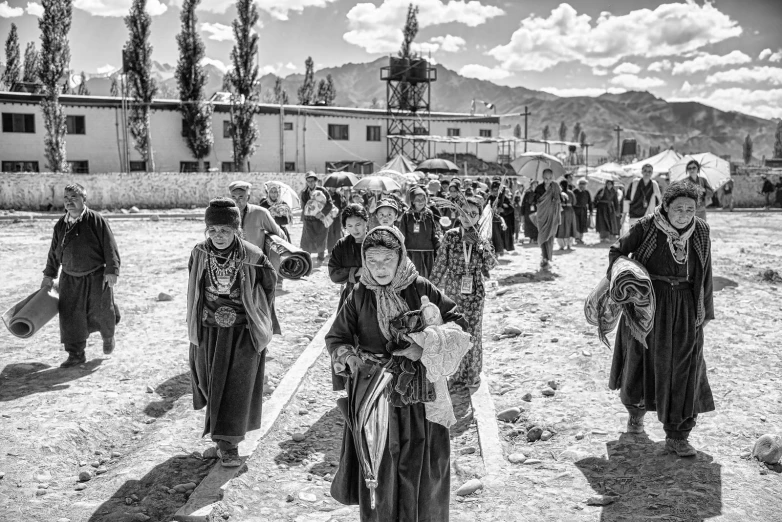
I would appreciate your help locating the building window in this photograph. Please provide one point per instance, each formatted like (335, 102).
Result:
(138, 166)
(184, 129)
(288, 125)
(454, 132)
(420, 131)
(484, 133)
(227, 166)
(79, 167)
(20, 166)
(373, 132)
(191, 166)
(290, 166)
(226, 128)
(339, 132)
(18, 122)
(75, 125)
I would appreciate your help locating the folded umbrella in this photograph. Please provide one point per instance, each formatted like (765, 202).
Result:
(290, 262)
(31, 313)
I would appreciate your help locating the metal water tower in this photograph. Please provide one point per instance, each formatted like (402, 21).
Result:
(408, 103)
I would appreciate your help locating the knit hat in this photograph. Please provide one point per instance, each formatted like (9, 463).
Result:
(223, 211)
(239, 185)
(390, 203)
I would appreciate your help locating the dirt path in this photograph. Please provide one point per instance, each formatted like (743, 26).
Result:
(54, 420)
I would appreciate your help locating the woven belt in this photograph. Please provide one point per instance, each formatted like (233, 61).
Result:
(677, 282)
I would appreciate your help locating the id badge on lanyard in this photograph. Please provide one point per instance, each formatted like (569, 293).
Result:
(467, 280)
(416, 228)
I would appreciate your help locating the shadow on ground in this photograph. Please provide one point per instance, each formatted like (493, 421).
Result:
(149, 495)
(324, 438)
(169, 391)
(527, 277)
(646, 482)
(720, 282)
(22, 379)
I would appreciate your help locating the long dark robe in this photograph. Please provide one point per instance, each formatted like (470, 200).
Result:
(567, 223)
(226, 371)
(314, 233)
(422, 245)
(527, 208)
(508, 214)
(415, 473)
(335, 230)
(86, 305)
(670, 376)
(582, 208)
(607, 211)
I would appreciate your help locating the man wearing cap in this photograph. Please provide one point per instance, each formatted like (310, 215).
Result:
(84, 247)
(256, 221)
(583, 209)
(643, 197)
(316, 205)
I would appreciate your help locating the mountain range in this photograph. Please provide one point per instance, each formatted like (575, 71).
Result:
(652, 121)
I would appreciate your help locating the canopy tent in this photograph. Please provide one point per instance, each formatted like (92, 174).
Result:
(400, 163)
(661, 163)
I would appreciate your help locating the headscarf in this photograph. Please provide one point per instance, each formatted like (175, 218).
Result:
(278, 208)
(390, 304)
(677, 241)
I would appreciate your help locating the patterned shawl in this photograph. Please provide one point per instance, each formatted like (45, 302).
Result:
(677, 242)
(389, 299)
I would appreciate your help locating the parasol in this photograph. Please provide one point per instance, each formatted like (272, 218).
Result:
(437, 165)
(378, 183)
(532, 165)
(393, 174)
(340, 179)
(287, 194)
(715, 169)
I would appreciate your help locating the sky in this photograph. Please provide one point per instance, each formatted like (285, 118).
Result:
(724, 53)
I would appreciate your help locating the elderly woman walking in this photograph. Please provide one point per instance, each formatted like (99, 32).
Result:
(230, 321)
(669, 374)
(422, 232)
(413, 480)
(279, 209)
(607, 204)
(462, 263)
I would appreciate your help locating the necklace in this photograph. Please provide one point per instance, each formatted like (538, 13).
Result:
(222, 276)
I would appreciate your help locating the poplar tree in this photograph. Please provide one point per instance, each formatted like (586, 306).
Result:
(582, 138)
(280, 96)
(331, 90)
(747, 150)
(191, 79)
(778, 141)
(11, 74)
(517, 131)
(138, 55)
(546, 133)
(562, 131)
(307, 90)
(409, 32)
(55, 58)
(576, 131)
(243, 79)
(31, 64)
(114, 90)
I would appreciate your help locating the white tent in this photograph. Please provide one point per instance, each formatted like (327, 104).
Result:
(661, 163)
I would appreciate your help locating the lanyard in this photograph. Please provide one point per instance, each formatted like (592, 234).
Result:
(467, 254)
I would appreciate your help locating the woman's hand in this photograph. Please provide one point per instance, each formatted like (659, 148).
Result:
(353, 362)
(412, 352)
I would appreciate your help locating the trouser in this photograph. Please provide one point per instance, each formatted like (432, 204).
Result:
(727, 201)
(85, 306)
(679, 430)
(566, 242)
(768, 198)
(76, 348)
(547, 249)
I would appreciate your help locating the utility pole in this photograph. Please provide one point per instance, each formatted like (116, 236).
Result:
(617, 130)
(525, 114)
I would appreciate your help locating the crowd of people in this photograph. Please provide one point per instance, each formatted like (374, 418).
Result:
(393, 255)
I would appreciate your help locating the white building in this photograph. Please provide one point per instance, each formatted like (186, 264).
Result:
(294, 139)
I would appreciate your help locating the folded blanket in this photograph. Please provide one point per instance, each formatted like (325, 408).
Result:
(630, 292)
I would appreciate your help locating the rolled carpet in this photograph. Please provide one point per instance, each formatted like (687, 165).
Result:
(31, 313)
(630, 292)
(290, 262)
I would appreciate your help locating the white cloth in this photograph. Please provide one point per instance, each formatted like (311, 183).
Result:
(444, 346)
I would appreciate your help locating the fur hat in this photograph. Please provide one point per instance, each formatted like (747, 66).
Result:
(223, 211)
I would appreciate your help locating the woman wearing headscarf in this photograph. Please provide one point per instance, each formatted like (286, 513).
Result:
(414, 474)
(462, 263)
(345, 260)
(527, 209)
(316, 210)
(669, 374)
(548, 202)
(421, 231)
(279, 209)
(607, 205)
(566, 232)
(335, 230)
(508, 215)
(230, 321)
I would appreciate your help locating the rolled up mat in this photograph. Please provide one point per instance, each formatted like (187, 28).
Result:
(290, 262)
(31, 313)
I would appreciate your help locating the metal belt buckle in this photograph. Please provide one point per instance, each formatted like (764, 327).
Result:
(673, 282)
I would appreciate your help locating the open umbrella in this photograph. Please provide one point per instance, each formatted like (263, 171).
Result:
(532, 165)
(379, 183)
(287, 194)
(393, 174)
(437, 165)
(715, 169)
(340, 179)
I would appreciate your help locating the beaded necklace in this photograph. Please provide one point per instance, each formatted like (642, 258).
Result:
(223, 276)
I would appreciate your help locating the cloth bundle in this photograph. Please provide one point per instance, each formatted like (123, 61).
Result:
(290, 262)
(31, 313)
(630, 292)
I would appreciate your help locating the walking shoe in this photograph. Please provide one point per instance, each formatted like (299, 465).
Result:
(74, 359)
(108, 345)
(681, 447)
(229, 458)
(635, 424)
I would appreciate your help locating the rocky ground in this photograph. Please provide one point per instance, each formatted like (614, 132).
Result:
(138, 445)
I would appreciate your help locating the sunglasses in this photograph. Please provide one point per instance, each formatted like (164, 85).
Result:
(692, 168)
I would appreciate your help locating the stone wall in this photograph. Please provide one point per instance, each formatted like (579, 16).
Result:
(36, 191)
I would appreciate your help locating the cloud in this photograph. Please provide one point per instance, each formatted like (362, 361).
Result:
(222, 67)
(670, 29)
(764, 74)
(686, 88)
(6, 11)
(446, 44)
(599, 72)
(662, 65)
(277, 9)
(106, 69)
(117, 8)
(482, 72)
(378, 29)
(765, 53)
(278, 69)
(706, 61)
(760, 103)
(771, 56)
(627, 68)
(34, 9)
(632, 82)
(218, 32)
(584, 91)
